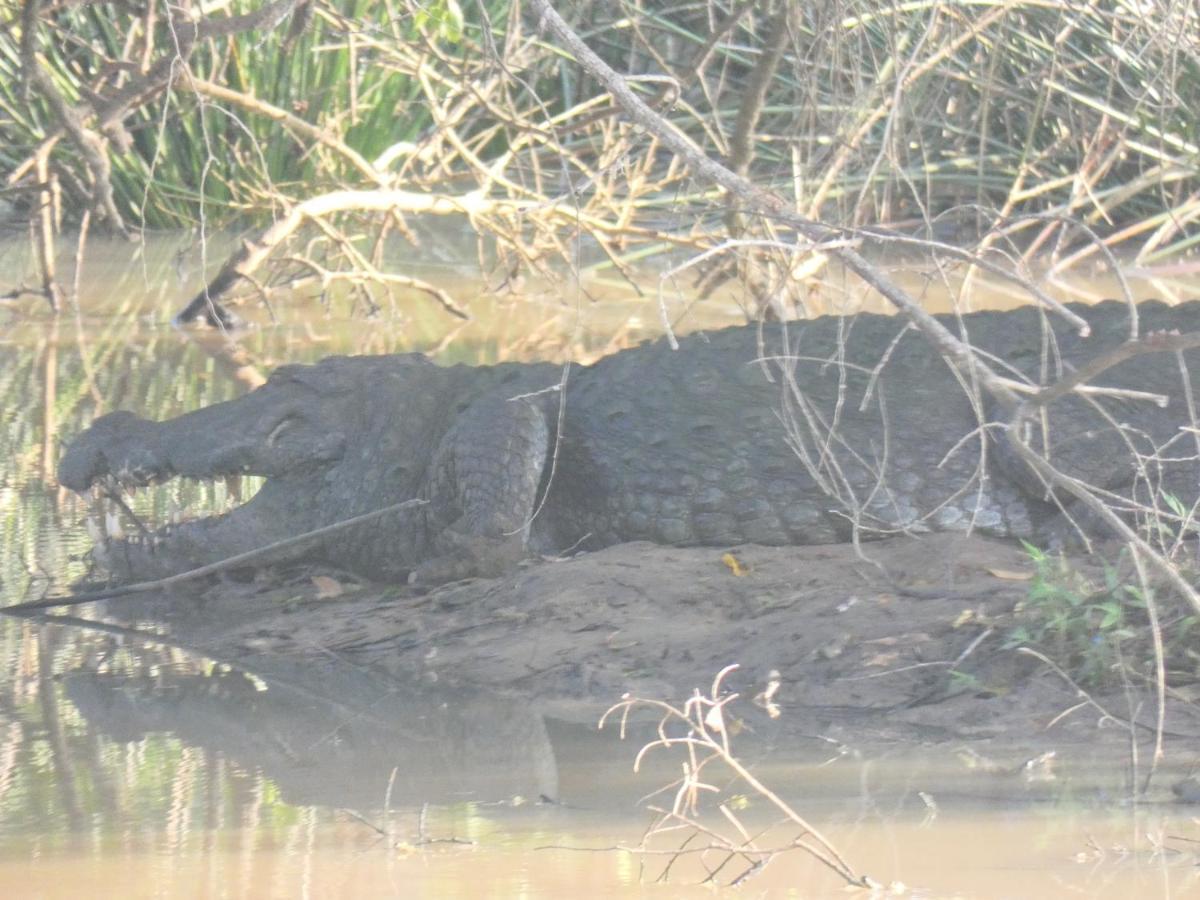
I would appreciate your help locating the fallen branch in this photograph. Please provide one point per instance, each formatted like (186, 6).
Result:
(475, 205)
(254, 252)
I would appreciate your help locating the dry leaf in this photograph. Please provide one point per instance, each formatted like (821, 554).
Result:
(734, 566)
(766, 697)
(327, 587)
(1010, 574)
(882, 659)
(966, 617)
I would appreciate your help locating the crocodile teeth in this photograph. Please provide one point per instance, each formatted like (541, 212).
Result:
(130, 479)
(112, 526)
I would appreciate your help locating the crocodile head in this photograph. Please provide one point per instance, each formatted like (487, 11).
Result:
(303, 430)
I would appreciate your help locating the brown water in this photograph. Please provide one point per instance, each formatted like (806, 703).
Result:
(131, 769)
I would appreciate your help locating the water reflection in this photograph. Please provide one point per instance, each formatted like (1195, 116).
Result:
(332, 735)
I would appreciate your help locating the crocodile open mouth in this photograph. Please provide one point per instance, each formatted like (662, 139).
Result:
(148, 513)
(212, 457)
(150, 527)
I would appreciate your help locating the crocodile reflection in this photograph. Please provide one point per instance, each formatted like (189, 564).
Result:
(334, 735)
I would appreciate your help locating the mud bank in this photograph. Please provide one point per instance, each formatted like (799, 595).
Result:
(899, 640)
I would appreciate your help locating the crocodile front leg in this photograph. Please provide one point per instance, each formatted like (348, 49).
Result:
(484, 490)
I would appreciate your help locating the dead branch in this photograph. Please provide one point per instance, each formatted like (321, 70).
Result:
(91, 146)
(1157, 342)
(741, 144)
(475, 206)
(45, 231)
(293, 123)
(701, 730)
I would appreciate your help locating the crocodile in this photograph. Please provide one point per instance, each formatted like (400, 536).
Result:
(814, 432)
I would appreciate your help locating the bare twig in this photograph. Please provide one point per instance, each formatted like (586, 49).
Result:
(705, 741)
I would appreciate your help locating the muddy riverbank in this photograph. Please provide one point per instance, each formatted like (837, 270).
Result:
(900, 640)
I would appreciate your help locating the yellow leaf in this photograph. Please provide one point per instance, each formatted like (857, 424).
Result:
(734, 565)
(966, 617)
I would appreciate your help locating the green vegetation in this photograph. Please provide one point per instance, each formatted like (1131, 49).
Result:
(1099, 632)
(187, 157)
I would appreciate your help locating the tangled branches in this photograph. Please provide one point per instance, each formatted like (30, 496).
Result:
(729, 851)
(202, 115)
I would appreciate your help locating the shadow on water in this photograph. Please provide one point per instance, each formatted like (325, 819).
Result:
(334, 735)
(132, 765)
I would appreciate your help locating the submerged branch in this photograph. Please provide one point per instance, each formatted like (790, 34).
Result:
(475, 205)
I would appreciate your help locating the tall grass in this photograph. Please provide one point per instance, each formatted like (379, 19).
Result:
(193, 159)
(887, 112)
(952, 116)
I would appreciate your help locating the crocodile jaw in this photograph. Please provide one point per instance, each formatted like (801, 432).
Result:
(188, 545)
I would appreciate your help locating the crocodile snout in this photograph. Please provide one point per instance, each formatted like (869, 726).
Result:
(109, 448)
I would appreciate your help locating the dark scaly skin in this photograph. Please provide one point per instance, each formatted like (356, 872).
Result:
(700, 445)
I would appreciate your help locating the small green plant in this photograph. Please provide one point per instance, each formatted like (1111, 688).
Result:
(1085, 627)
(1093, 629)
(1185, 526)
